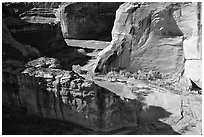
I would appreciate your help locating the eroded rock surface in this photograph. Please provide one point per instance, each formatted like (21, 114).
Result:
(87, 20)
(64, 95)
(38, 26)
(153, 36)
(14, 53)
(165, 37)
(44, 62)
(190, 24)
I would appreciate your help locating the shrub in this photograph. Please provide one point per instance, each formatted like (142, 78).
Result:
(141, 75)
(82, 51)
(135, 75)
(122, 72)
(128, 75)
(150, 75)
(158, 75)
(116, 69)
(154, 75)
(112, 76)
(77, 69)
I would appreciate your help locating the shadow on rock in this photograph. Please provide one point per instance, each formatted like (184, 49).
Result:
(69, 56)
(149, 124)
(149, 121)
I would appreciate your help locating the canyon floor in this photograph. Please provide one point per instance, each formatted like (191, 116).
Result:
(165, 111)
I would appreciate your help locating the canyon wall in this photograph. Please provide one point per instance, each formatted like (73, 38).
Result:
(87, 20)
(44, 37)
(9, 18)
(14, 53)
(190, 24)
(154, 36)
(35, 24)
(64, 95)
(31, 30)
(41, 31)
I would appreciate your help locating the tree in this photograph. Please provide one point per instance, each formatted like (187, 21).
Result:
(112, 76)
(135, 75)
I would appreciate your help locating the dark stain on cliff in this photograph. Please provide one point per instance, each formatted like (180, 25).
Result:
(90, 20)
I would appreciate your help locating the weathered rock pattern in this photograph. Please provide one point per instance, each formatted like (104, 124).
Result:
(87, 20)
(25, 50)
(190, 24)
(37, 26)
(21, 7)
(9, 19)
(183, 113)
(14, 53)
(64, 95)
(44, 62)
(39, 15)
(151, 36)
(144, 36)
(161, 37)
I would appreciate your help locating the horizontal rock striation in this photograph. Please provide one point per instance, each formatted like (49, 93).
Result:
(21, 7)
(14, 53)
(45, 37)
(36, 26)
(64, 95)
(9, 18)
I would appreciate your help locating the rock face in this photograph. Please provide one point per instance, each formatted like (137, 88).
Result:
(11, 19)
(190, 25)
(14, 53)
(161, 37)
(64, 95)
(151, 36)
(44, 62)
(38, 27)
(88, 20)
(25, 50)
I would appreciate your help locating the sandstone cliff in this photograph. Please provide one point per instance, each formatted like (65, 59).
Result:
(14, 53)
(190, 24)
(64, 95)
(87, 20)
(34, 24)
(153, 36)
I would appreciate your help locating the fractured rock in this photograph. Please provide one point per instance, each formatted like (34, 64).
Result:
(65, 95)
(44, 62)
(193, 71)
(190, 25)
